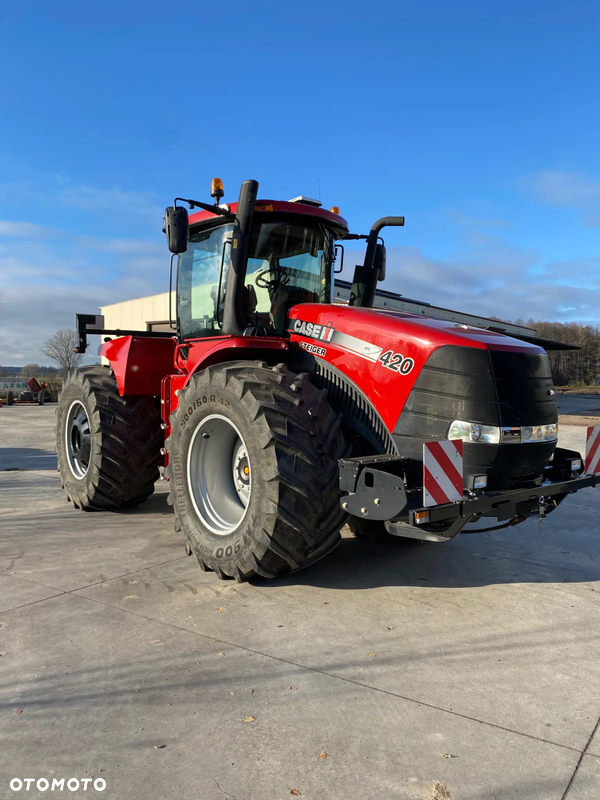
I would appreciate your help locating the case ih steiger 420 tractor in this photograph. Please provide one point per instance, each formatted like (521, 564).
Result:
(278, 415)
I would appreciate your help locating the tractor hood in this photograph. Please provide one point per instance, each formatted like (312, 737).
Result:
(413, 376)
(383, 352)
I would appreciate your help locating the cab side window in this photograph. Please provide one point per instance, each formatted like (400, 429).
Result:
(202, 281)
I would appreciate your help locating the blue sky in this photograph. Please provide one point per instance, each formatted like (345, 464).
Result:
(477, 121)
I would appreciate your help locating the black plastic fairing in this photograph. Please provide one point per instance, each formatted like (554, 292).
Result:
(524, 388)
(499, 388)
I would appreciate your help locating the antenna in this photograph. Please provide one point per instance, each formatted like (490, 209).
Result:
(319, 184)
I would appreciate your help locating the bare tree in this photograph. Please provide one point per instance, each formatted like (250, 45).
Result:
(30, 370)
(60, 348)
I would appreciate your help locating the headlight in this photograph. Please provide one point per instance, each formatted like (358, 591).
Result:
(540, 433)
(490, 434)
(474, 432)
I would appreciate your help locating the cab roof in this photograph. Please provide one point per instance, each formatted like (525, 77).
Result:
(281, 207)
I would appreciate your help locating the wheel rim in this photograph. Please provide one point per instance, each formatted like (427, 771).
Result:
(219, 474)
(78, 439)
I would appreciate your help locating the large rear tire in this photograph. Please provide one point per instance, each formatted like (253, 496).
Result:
(108, 446)
(253, 470)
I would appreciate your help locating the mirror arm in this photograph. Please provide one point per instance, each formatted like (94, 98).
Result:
(214, 209)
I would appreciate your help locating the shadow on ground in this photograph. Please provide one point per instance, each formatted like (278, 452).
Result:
(360, 564)
(17, 459)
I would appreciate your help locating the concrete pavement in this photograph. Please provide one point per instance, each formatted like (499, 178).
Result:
(578, 409)
(468, 671)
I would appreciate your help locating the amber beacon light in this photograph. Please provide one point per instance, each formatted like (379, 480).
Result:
(216, 188)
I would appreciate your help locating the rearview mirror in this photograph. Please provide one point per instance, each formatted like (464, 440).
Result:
(379, 263)
(177, 228)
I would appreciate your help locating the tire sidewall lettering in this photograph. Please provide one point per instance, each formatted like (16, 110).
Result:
(206, 543)
(200, 401)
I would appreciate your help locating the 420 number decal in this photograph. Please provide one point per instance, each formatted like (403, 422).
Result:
(396, 362)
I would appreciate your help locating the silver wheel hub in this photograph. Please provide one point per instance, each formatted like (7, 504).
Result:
(241, 473)
(219, 474)
(78, 439)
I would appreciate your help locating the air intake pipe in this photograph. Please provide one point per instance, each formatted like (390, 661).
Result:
(366, 276)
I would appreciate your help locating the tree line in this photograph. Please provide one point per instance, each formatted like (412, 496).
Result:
(60, 348)
(572, 366)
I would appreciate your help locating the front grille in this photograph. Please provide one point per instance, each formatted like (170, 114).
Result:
(523, 384)
(500, 388)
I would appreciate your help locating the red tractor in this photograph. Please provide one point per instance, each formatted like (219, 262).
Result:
(278, 415)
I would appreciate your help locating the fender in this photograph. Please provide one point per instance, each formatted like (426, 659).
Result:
(197, 354)
(140, 363)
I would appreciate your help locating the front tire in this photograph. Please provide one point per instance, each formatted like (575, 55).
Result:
(108, 446)
(253, 470)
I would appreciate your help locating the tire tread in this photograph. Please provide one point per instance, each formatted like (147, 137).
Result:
(126, 447)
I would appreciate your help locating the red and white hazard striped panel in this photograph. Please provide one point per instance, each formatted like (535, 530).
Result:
(442, 472)
(592, 451)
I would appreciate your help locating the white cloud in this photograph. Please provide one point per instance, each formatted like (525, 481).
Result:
(569, 189)
(45, 279)
(27, 230)
(113, 199)
(565, 188)
(60, 191)
(47, 275)
(498, 284)
(21, 191)
(457, 217)
(123, 246)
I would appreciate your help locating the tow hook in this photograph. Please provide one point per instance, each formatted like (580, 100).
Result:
(545, 506)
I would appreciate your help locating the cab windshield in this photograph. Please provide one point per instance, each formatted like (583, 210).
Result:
(289, 262)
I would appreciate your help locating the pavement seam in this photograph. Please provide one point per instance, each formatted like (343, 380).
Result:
(33, 602)
(89, 585)
(335, 676)
(583, 753)
(125, 574)
(35, 583)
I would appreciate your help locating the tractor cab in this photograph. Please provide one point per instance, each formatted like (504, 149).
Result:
(241, 267)
(290, 261)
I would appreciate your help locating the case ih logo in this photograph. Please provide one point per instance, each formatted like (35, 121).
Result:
(321, 332)
(352, 344)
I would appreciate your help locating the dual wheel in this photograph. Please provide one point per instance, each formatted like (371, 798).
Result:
(108, 446)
